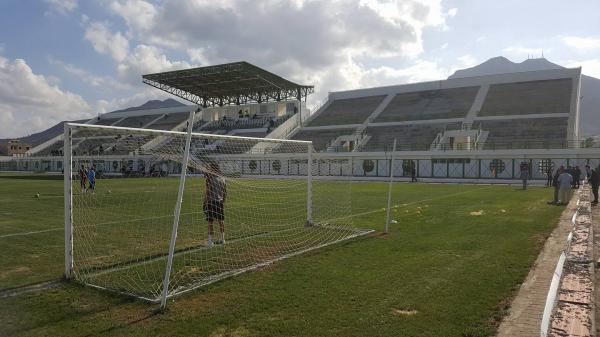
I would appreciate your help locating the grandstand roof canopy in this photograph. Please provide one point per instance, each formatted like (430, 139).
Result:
(227, 84)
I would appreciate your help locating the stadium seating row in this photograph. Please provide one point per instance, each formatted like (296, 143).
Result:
(347, 111)
(524, 133)
(322, 138)
(169, 121)
(534, 97)
(412, 137)
(432, 104)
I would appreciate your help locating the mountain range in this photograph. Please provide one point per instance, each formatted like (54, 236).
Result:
(40, 137)
(154, 104)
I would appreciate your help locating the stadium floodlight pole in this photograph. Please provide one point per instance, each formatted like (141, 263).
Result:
(184, 164)
(309, 219)
(68, 195)
(389, 203)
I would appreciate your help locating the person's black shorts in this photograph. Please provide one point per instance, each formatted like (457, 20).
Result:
(213, 209)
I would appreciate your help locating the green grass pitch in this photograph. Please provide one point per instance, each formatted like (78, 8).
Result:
(440, 272)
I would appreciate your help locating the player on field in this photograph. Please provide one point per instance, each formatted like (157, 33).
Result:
(83, 178)
(92, 178)
(214, 200)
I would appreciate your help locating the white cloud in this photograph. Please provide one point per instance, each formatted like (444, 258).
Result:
(452, 12)
(145, 59)
(138, 14)
(420, 71)
(198, 55)
(132, 63)
(582, 44)
(106, 42)
(62, 6)
(589, 67)
(315, 42)
(29, 103)
(314, 33)
(100, 82)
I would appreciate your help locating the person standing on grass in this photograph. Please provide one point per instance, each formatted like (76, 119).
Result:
(214, 200)
(413, 172)
(91, 175)
(595, 182)
(524, 174)
(555, 184)
(83, 178)
(565, 181)
(549, 176)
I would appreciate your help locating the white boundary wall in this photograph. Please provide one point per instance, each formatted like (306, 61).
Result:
(431, 166)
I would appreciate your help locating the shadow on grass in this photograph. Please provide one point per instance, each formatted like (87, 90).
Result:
(112, 329)
(75, 306)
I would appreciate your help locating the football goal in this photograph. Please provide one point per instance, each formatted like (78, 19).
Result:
(154, 213)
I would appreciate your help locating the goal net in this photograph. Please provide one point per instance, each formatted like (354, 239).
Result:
(244, 202)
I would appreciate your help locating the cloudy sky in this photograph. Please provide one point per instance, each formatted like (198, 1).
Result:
(71, 59)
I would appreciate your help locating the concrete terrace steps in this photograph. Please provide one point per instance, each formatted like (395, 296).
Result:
(532, 97)
(347, 111)
(430, 104)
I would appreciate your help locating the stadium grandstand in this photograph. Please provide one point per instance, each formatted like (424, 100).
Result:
(463, 128)
(526, 110)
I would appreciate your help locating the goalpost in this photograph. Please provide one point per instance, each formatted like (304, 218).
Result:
(175, 211)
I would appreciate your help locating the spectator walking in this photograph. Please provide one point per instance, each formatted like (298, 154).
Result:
(588, 172)
(576, 176)
(595, 182)
(565, 181)
(570, 172)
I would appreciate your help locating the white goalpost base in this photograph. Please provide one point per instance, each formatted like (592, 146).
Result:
(154, 236)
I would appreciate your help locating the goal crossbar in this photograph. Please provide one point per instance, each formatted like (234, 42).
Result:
(182, 133)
